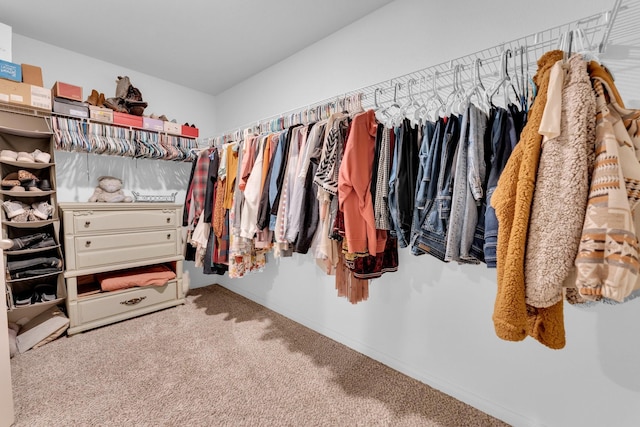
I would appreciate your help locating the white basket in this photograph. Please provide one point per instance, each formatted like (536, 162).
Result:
(155, 198)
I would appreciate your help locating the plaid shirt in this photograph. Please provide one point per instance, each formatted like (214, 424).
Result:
(199, 186)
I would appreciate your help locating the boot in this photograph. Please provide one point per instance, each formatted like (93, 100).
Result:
(93, 98)
(122, 87)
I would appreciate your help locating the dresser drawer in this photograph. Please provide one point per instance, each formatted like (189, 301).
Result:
(109, 249)
(98, 221)
(117, 303)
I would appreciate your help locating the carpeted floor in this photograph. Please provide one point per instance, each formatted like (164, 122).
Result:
(219, 360)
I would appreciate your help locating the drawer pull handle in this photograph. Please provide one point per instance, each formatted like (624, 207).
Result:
(87, 224)
(168, 236)
(87, 243)
(168, 220)
(133, 301)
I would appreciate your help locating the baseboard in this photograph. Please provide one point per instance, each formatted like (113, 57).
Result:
(429, 379)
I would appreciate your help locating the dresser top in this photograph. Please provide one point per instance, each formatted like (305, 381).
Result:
(133, 206)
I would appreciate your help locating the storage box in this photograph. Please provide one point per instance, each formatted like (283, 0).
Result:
(125, 119)
(190, 132)
(24, 94)
(101, 114)
(152, 124)
(70, 108)
(172, 128)
(32, 75)
(5, 42)
(66, 90)
(40, 97)
(10, 71)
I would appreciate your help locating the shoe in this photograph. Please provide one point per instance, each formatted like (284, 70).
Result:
(41, 156)
(44, 185)
(116, 104)
(13, 209)
(23, 298)
(93, 98)
(29, 185)
(25, 157)
(42, 210)
(25, 242)
(9, 155)
(101, 100)
(18, 189)
(43, 293)
(22, 216)
(163, 118)
(26, 176)
(122, 87)
(11, 180)
(193, 126)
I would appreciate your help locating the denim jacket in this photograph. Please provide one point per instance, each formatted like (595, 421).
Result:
(433, 230)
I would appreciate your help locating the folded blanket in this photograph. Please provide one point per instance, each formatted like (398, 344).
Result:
(155, 275)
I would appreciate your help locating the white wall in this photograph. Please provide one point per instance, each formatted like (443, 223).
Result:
(76, 173)
(431, 320)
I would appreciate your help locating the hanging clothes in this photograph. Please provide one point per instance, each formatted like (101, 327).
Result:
(468, 190)
(608, 268)
(513, 320)
(562, 183)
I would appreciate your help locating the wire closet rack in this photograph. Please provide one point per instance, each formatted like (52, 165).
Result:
(591, 34)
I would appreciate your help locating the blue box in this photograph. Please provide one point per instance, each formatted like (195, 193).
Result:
(11, 71)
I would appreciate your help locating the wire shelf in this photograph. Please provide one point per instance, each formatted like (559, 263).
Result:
(595, 34)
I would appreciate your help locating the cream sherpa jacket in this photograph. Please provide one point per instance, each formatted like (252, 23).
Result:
(562, 187)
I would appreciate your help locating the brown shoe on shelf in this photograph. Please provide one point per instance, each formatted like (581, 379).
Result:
(101, 100)
(93, 98)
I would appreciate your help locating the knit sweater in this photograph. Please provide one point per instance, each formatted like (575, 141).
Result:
(512, 203)
(562, 187)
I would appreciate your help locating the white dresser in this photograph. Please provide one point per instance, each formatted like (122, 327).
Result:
(105, 237)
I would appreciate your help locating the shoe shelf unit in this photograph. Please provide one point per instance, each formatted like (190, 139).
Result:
(33, 276)
(93, 136)
(116, 239)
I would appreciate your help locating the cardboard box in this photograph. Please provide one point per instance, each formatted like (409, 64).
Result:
(10, 71)
(152, 124)
(70, 108)
(5, 42)
(32, 75)
(24, 94)
(125, 119)
(101, 114)
(189, 132)
(15, 93)
(66, 90)
(40, 97)
(172, 128)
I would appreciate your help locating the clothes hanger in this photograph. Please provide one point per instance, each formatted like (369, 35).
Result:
(422, 103)
(504, 82)
(411, 102)
(582, 48)
(434, 103)
(478, 88)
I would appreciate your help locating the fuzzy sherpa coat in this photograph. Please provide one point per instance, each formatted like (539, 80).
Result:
(512, 319)
(562, 187)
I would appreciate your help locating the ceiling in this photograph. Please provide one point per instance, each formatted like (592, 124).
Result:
(206, 45)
